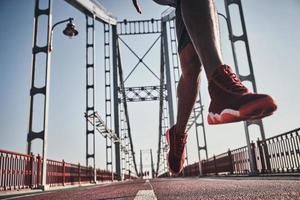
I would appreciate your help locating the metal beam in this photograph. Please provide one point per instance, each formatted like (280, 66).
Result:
(44, 90)
(168, 72)
(101, 126)
(108, 93)
(168, 15)
(90, 92)
(93, 8)
(138, 27)
(144, 93)
(119, 66)
(115, 98)
(161, 107)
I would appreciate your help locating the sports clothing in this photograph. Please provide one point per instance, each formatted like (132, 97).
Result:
(181, 32)
(176, 154)
(231, 101)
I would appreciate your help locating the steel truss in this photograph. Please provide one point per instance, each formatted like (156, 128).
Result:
(123, 94)
(162, 165)
(118, 82)
(140, 93)
(96, 120)
(93, 9)
(125, 151)
(144, 93)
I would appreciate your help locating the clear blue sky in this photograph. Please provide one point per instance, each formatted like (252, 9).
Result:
(273, 31)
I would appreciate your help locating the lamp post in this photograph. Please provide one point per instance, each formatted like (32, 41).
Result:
(69, 31)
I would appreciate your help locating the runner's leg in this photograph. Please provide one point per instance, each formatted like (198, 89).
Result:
(201, 23)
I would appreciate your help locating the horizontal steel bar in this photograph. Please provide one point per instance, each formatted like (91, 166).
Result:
(93, 8)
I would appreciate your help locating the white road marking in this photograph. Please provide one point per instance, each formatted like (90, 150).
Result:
(145, 195)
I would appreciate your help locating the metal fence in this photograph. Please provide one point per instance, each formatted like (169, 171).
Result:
(240, 160)
(21, 171)
(281, 154)
(278, 154)
(16, 171)
(191, 170)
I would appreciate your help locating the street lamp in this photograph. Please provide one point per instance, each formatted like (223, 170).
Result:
(69, 31)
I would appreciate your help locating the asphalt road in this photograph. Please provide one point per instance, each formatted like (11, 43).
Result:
(179, 188)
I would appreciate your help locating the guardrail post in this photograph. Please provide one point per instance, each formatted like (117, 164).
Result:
(31, 178)
(79, 175)
(97, 175)
(267, 157)
(63, 172)
(262, 156)
(38, 171)
(200, 171)
(254, 157)
(215, 165)
(231, 161)
(203, 167)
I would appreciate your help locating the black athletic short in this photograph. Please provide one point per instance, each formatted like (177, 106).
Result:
(182, 34)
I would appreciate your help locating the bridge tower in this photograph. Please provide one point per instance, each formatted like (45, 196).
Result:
(36, 90)
(93, 12)
(123, 94)
(243, 38)
(90, 92)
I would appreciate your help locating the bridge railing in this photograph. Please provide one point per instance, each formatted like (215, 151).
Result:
(281, 153)
(21, 171)
(278, 154)
(16, 171)
(240, 160)
(191, 170)
(60, 173)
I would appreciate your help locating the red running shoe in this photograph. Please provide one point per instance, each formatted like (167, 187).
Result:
(176, 154)
(231, 101)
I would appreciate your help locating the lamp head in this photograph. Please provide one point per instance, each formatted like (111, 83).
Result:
(70, 29)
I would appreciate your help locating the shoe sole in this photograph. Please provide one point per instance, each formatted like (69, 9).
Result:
(170, 170)
(255, 110)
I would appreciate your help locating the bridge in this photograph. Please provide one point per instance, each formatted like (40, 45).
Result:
(137, 64)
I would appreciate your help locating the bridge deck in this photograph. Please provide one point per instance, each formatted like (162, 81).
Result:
(179, 188)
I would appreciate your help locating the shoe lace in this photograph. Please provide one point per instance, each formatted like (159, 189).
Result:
(231, 81)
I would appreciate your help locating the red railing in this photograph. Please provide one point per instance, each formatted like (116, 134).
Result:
(278, 154)
(191, 170)
(16, 171)
(21, 171)
(60, 173)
